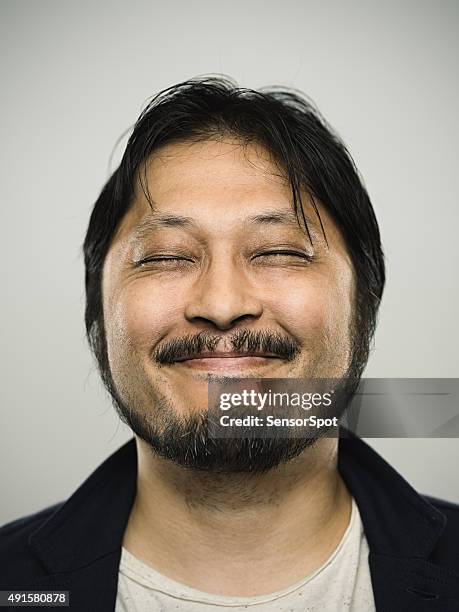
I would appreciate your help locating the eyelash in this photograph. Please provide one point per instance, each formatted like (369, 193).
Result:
(305, 256)
(160, 259)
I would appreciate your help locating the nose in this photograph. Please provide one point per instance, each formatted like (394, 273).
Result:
(222, 297)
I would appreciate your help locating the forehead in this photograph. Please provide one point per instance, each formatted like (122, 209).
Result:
(213, 186)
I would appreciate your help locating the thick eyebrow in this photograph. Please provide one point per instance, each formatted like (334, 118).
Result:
(158, 220)
(155, 221)
(277, 217)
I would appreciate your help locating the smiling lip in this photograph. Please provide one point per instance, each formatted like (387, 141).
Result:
(227, 361)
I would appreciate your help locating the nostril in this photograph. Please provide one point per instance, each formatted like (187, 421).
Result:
(423, 594)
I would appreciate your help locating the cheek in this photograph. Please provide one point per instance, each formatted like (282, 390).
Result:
(314, 309)
(141, 315)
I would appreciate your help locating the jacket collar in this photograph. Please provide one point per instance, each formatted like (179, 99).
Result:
(397, 520)
(90, 524)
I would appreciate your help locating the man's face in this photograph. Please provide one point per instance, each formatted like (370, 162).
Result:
(219, 264)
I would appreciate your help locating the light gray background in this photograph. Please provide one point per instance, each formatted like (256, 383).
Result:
(76, 74)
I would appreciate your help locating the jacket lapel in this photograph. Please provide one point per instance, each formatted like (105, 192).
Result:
(402, 529)
(80, 545)
(412, 585)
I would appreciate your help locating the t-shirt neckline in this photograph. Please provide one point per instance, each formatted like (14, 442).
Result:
(140, 572)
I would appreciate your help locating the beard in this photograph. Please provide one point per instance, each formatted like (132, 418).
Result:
(187, 441)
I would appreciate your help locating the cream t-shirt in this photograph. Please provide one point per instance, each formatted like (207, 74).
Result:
(342, 583)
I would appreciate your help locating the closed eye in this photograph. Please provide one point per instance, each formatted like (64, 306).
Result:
(162, 260)
(276, 254)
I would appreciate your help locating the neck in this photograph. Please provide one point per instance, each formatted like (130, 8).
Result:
(238, 534)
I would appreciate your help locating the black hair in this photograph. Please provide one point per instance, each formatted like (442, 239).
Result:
(305, 147)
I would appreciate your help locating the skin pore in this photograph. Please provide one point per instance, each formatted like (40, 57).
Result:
(239, 261)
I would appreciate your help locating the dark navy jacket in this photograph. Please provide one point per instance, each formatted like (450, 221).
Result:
(76, 545)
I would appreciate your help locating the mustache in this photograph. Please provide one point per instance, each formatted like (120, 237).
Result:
(243, 340)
